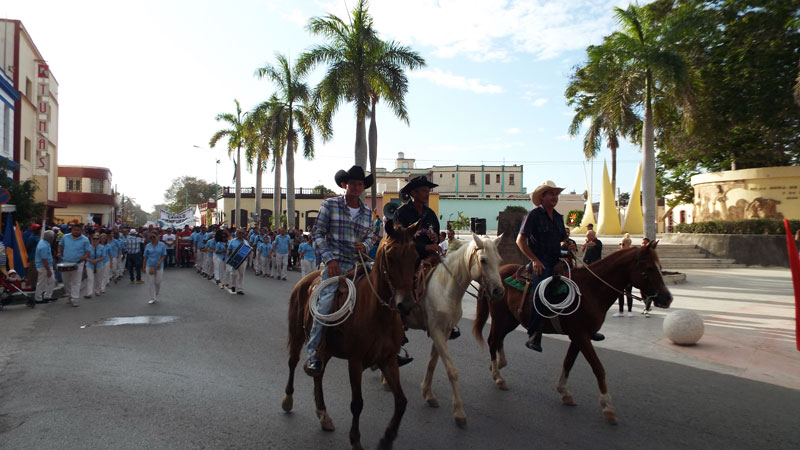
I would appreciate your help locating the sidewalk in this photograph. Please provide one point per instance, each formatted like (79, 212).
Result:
(749, 325)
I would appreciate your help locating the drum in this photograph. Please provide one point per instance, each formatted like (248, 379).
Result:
(239, 255)
(66, 266)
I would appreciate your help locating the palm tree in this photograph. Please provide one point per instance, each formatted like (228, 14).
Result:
(292, 117)
(361, 70)
(643, 49)
(258, 138)
(235, 135)
(604, 95)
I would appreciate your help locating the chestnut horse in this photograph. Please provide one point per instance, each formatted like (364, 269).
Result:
(637, 266)
(372, 335)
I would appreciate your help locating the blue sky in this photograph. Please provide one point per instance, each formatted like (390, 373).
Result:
(141, 83)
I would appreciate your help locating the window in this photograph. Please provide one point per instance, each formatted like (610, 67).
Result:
(472, 178)
(440, 175)
(73, 185)
(27, 153)
(511, 179)
(452, 175)
(497, 178)
(28, 89)
(488, 178)
(97, 186)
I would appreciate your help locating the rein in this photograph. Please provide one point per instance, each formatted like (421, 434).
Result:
(482, 277)
(381, 301)
(647, 297)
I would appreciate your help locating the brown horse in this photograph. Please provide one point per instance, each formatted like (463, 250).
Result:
(372, 335)
(637, 266)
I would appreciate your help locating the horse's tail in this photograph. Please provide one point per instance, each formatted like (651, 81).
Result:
(481, 315)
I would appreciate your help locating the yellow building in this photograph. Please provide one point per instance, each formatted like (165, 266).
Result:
(35, 121)
(307, 204)
(765, 192)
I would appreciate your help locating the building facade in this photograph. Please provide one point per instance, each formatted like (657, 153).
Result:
(34, 128)
(9, 97)
(307, 204)
(84, 192)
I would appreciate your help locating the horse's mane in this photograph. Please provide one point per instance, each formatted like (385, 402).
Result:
(452, 262)
(619, 256)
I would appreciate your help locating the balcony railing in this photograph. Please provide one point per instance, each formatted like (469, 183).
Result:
(227, 190)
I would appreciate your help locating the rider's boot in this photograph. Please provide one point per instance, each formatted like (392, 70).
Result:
(313, 366)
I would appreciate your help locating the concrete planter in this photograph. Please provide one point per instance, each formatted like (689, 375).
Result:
(749, 249)
(508, 224)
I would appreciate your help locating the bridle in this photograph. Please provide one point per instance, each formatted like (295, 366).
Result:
(645, 299)
(384, 264)
(481, 275)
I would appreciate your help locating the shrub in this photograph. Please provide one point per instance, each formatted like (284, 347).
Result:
(750, 226)
(515, 208)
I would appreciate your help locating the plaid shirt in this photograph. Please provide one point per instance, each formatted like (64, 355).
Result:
(133, 244)
(335, 233)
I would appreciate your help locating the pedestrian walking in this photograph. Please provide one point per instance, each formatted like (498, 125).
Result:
(107, 262)
(626, 243)
(133, 247)
(237, 273)
(153, 265)
(90, 285)
(169, 240)
(74, 248)
(307, 256)
(220, 249)
(43, 260)
(280, 249)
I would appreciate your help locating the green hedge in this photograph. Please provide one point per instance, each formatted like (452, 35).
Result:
(750, 226)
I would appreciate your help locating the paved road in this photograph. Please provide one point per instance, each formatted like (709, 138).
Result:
(214, 379)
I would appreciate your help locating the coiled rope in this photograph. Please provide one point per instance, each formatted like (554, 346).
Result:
(342, 314)
(565, 307)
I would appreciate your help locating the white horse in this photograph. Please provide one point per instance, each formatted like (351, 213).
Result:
(440, 310)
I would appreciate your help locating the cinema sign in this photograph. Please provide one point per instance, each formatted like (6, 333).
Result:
(43, 122)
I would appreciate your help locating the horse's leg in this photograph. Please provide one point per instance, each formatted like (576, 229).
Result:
(427, 382)
(503, 324)
(319, 399)
(561, 386)
(392, 374)
(439, 338)
(586, 347)
(294, 356)
(356, 403)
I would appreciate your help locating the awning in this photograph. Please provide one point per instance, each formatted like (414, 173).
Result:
(9, 164)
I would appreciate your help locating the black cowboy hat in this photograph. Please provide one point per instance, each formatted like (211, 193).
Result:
(355, 173)
(417, 182)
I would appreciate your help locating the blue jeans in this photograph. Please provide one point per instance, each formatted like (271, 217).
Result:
(134, 263)
(324, 306)
(533, 323)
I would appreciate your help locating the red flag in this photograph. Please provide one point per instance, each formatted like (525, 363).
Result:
(794, 265)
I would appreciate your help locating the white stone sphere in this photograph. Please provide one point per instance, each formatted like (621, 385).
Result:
(683, 327)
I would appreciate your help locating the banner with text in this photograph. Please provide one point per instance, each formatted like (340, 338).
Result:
(179, 220)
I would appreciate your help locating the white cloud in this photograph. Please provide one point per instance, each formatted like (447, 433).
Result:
(296, 17)
(512, 131)
(539, 102)
(447, 79)
(493, 30)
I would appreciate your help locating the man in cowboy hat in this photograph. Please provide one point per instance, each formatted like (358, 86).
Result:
(427, 238)
(342, 229)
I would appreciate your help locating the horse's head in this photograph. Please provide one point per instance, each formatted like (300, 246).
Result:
(485, 267)
(646, 276)
(395, 259)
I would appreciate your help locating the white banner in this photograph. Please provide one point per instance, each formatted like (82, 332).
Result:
(179, 220)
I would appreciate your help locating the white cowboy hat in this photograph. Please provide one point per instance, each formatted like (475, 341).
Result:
(548, 185)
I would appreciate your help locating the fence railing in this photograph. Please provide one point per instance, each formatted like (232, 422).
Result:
(270, 191)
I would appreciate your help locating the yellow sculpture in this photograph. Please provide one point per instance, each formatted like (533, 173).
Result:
(608, 222)
(634, 220)
(588, 214)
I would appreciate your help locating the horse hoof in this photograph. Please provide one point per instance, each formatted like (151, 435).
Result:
(384, 444)
(501, 384)
(288, 403)
(357, 447)
(461, 422)
(325, 421)
(386, 386)
(568, 401)
(432, 402)
(610, 417)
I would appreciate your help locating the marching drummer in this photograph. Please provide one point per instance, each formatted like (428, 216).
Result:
(237, 273)
(73, 248)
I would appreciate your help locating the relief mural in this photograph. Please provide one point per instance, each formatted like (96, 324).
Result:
(713, 201)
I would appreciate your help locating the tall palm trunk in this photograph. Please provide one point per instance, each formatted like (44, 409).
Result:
(290, 222)
(238, 201)
(276, 197)
(649, 205)
(258, 188)
(373, 150)
(361, 141)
